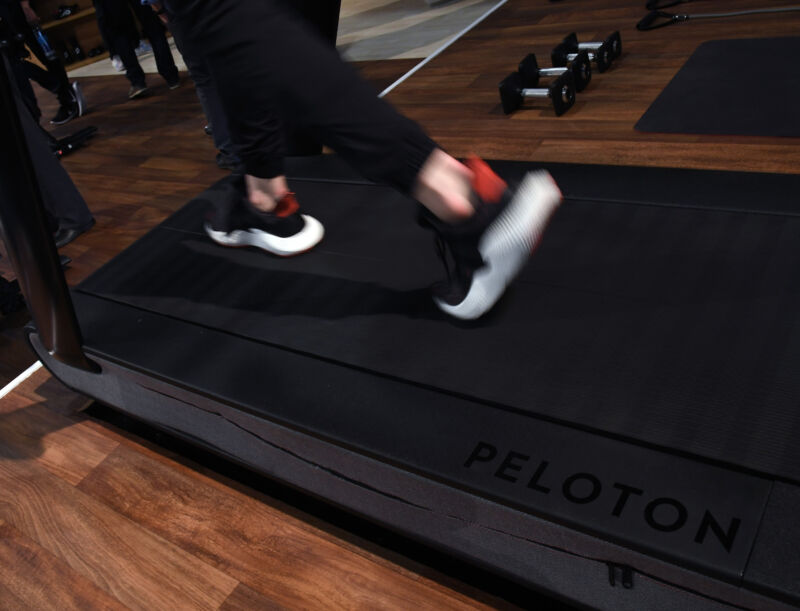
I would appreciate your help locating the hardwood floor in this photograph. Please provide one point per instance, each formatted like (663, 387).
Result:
(455, 96)
(93, 516)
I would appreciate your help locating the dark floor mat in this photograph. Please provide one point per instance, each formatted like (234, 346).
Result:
(673, 326)
(747, 87)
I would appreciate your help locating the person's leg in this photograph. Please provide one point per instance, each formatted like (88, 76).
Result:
(206, 90)
(24, 89)
(54, 77)
(154, 30)
(270, 66)
(64, 206)
(115, 19)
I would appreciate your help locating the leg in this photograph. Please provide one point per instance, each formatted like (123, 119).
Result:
(271, 67)
(207, 93)
(115, 19)
(257, 51)
(64, 205)
(54, 78)
(153, 29)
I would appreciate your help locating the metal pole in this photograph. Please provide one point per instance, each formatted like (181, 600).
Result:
(29, 243)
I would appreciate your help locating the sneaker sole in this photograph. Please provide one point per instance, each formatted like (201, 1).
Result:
(508, 243)
(65, 121)
(297, 244)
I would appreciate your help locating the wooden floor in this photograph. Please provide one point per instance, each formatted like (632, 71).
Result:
(92, 516)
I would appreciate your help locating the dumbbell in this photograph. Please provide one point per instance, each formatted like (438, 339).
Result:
(580, 68)
(614, 42)
(561, 93)
(568, 50)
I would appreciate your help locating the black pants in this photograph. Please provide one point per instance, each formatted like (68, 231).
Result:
(54, 77)
(120, 33)
(64, 205)
(272, 69)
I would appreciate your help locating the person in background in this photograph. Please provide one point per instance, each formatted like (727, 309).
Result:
(52, 77)
(67, 213)
(115, 20)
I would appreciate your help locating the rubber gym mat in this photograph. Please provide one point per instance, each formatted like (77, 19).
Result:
(673, 326)
(747, 87)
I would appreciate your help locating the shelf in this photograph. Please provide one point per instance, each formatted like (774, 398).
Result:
(74, 17)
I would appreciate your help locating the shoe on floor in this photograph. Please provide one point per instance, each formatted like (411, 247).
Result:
(137, 91)
(490, 248)
(64, 236)
(65, 114)
(174, 84)
(116, 62)
(284, 232)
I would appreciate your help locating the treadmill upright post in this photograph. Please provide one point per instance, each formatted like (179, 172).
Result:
(28, 241)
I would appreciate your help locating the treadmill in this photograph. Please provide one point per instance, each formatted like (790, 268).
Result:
(621, 431)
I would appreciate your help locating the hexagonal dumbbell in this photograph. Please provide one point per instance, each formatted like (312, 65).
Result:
(580, 68)
(568, 50)
(613, 42)
(561, 93)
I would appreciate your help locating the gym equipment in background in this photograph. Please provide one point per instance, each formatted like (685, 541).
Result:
(580, 68)
(561, 93)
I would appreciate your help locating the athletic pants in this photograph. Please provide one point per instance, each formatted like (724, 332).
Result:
(273, 70)
(54, 77)
(64, 206)
(115, 20)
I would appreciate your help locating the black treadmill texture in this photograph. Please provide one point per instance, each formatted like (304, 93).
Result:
(747, 87)
(664, 324)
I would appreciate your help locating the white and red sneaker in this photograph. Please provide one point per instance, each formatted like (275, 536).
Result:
(284, 232)
(489, 249)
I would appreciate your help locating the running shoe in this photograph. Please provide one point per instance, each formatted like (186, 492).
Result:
(137, 91)
(65, 114)
(488, 250)
(284, 232)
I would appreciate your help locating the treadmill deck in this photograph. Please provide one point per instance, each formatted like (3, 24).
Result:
(637, 383)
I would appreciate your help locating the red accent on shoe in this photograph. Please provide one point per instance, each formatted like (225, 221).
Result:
(488, 185)
(287, 206)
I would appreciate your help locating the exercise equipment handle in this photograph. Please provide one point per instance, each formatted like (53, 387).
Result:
(649, 21)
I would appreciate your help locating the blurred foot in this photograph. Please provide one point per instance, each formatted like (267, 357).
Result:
(491, 247)
(137, 91)
(116, 62)
(64, 236)
(65, 114)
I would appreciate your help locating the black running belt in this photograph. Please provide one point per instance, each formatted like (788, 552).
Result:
(747, 87)
(670, 325)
